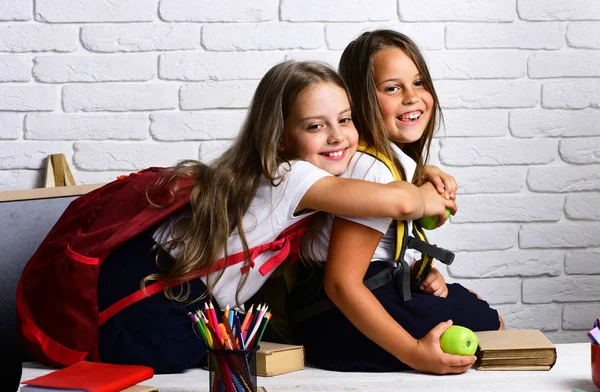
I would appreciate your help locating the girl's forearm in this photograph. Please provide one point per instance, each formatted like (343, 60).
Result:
(405, 198)
(399, 200)
(367, 314)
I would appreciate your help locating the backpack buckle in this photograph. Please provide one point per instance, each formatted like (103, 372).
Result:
(431, 250)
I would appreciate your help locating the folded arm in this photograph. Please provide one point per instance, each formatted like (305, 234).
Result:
(399, 200)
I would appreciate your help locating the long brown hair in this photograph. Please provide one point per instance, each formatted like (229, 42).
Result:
(224, 189)
(356, 69)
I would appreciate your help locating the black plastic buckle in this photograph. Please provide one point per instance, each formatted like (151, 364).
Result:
(434, 251)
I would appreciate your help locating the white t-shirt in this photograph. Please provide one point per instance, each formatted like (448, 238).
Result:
(270, 212)
(365, 167)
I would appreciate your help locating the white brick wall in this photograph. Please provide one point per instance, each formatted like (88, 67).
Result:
(118, 86)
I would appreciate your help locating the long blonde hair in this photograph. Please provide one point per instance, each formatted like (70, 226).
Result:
(356, 69)
(223, 190)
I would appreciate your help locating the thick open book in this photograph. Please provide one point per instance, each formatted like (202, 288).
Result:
(277, 358)
(514, 349)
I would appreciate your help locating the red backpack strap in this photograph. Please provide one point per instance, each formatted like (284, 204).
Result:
(287, 243)
(121, 304)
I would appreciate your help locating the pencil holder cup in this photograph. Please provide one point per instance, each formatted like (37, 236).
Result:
(596, 365)
(232, 370)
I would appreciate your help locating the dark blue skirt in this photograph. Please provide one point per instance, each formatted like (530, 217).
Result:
(155, 331)
(332, 342)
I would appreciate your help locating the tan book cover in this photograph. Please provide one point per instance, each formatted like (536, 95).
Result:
(273, 359)
(514, 349)
(140, 388)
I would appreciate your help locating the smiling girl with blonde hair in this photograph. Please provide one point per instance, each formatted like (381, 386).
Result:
(297, 136)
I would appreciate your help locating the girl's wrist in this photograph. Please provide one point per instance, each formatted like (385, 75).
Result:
(422, 203)
(408, 356)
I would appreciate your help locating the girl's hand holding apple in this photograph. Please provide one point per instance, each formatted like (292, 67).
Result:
(444, 183)
(427, 356)
(436, 206)
(431, 222)
(459, 341)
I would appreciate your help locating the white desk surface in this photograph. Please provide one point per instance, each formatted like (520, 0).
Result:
(572, 370)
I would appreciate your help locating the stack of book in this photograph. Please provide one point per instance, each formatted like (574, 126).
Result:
(514, 349)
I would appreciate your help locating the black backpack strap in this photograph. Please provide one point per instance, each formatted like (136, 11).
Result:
(400, 274)
(434, 251)
(402, 279)
(429, 252)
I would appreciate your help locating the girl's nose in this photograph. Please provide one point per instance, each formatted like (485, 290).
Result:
(410, 97)
(335, 135)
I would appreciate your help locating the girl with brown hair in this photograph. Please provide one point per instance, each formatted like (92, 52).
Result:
(396, 112)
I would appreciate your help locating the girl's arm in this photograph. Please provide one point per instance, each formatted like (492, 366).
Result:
(399, 200)
(350, 250)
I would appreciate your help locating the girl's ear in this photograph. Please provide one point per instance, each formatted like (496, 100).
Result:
(282, 143)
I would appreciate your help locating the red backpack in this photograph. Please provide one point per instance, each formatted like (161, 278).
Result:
(57, 309)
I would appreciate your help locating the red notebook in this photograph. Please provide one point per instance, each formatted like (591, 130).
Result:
(93, 377)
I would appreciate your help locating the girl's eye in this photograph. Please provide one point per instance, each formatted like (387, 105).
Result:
(419, 83)
(345, 120)
(314, 127)
(391, 89)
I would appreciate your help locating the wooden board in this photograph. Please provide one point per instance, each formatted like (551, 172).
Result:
(45, 193)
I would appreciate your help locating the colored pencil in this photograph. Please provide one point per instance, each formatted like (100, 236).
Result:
(230, 317)
(256, 326)
(247, 318)
(231, 372)
(215, 322)
(262, 330)
(229, 332)
(204, 322)
(238, 332)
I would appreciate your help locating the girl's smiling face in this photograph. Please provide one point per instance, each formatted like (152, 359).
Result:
(319, 128)
(405, 104)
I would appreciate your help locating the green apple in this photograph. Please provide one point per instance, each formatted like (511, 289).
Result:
(459, 341)
(430, 222)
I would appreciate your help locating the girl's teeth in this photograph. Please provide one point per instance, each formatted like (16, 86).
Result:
(335, 154)
(411, 116)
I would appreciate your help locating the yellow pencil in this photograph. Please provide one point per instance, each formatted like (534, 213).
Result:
(208, 334)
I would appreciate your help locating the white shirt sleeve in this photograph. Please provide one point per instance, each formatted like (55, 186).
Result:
(278, 203)
(298, 181)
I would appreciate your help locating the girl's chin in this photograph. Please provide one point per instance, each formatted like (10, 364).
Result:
(407, 136)
(335, 169)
